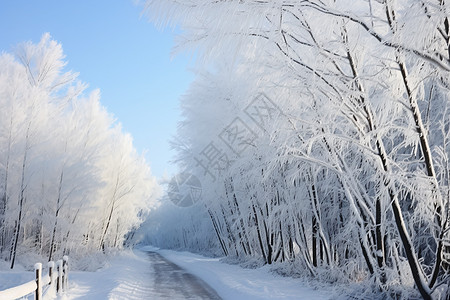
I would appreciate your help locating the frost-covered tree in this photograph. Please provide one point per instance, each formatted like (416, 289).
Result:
(342, 108)
(60, 151)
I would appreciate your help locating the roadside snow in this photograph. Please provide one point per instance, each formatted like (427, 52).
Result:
(9, 279)
(126, 276)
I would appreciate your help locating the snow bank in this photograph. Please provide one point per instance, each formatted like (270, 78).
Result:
(13, 281)
(19, 291)
(126, 276)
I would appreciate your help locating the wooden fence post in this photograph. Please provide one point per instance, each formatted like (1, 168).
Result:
(51, 266)
(60, 271)
(66, 272)
(38, 292)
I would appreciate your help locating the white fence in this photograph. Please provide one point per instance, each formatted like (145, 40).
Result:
(56, 279)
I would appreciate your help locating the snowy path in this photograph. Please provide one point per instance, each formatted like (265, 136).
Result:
(172, 282)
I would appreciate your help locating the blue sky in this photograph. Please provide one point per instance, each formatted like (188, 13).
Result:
(118, 51)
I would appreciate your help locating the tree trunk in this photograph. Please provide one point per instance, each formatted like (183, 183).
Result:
(216, 229)
(258, 231)
(314, 241)
(21, 201)
(427, 155)
(58, 200)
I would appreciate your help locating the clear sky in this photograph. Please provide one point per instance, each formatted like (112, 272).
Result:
(118, 51)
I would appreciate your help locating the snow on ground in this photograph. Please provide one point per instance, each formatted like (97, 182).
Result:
(128, 275)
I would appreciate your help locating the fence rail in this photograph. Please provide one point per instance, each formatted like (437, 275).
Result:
(56, 279)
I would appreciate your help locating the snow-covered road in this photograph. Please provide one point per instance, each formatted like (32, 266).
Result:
(172, 282)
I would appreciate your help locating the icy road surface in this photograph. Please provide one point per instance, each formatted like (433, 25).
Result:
(172, 282)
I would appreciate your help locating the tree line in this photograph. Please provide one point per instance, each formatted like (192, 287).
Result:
(320, 131)
(71, 182)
